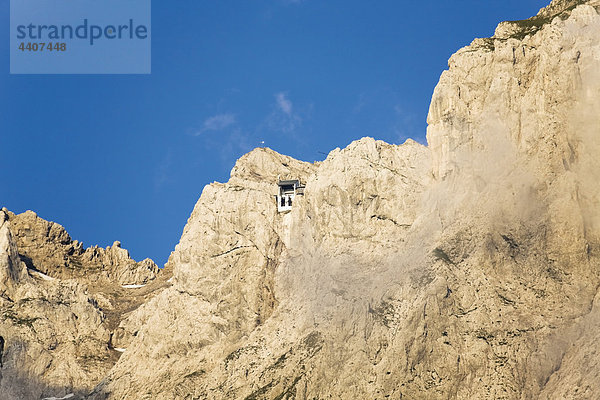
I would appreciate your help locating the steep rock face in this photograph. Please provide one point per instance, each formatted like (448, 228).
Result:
(59, 308)
(365, 193)
(249, 281)
(12, 270)
(53, 340)
(511, 130)
(521, 93)
(464, 270)
(223, 284)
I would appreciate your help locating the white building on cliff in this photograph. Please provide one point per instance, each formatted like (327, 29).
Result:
(288, 189)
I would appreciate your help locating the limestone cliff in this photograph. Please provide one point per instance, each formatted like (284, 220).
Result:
(47, 247)
(469, 268)
(60, 307)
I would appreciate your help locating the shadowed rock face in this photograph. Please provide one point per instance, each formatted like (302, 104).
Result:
(465, 269)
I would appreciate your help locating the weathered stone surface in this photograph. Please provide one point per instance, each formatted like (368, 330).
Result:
(60, 307)
(12, 270)
(47, 247)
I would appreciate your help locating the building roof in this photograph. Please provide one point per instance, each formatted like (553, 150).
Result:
(289, 182)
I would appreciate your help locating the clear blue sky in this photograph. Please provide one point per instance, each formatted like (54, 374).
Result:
(125, 157)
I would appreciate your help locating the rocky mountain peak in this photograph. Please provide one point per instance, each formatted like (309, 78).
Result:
(560, 9)
(265, 165)
(558, 6)
(46, 247)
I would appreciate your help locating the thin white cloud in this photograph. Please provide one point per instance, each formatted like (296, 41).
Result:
(161, 173)
(229, 145)
(404, 126)
(399, 110)
(284, 103)
(360, 103)
(234, 145)
(217, 123)
(283, 118)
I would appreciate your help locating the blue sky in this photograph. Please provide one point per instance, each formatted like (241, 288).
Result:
(125, 157)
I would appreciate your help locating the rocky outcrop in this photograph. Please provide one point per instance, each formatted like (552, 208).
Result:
(47, 247)
(12, 270)
(229, 263)
(60, 306)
